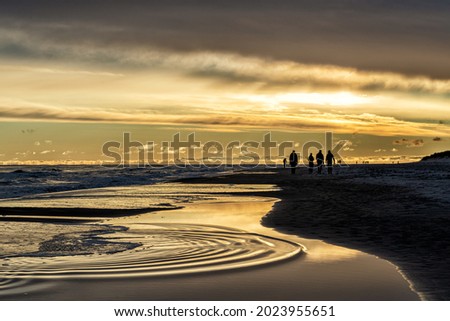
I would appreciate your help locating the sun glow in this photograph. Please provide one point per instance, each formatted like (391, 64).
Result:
(326, 99)
(332, 99)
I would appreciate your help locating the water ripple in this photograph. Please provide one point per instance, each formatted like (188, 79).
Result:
(165, 249)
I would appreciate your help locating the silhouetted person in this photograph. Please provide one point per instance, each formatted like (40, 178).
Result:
(293, 161)
(330, 161)
(319, 160)
(284, 163)
(311, 163)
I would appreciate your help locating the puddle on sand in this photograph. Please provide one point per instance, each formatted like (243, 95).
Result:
(164, 249)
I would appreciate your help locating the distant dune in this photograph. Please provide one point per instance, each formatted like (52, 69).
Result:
(438, 156)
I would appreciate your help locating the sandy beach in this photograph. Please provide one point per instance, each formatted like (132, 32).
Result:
(229, 236)
(233, 236)
(397, 212)
(378, 232)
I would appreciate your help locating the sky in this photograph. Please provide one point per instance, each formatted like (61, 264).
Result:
(75, 75)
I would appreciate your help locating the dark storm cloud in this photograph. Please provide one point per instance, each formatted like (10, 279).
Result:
(402, 36)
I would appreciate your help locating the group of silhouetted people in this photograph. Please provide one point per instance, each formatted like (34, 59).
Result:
(329, 159)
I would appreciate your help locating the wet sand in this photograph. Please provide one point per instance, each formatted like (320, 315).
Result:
(406, 225)
(213, 247)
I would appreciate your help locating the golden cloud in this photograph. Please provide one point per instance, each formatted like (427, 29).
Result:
(317, 122)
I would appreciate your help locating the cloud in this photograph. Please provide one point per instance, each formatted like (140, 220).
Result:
(217, 103)
(348, 146)
(148, 147)
(317, 122)
(54, 71)
(231, 68)
(402, 34)
(47, 151)
(402, 141)
(416, 143)
(409, 142)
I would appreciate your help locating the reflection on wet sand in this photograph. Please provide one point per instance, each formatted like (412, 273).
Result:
(149, 250)
(215, 233)
(244, 212)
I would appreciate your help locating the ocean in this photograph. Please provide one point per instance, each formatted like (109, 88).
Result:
(18, 181)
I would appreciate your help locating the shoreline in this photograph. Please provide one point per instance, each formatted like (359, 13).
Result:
(390, 222)
(327, 272)
(70, 214)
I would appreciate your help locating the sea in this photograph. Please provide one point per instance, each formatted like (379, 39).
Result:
(18, 181)
(430, 177)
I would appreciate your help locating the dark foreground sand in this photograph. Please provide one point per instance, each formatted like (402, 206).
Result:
(397, 223)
